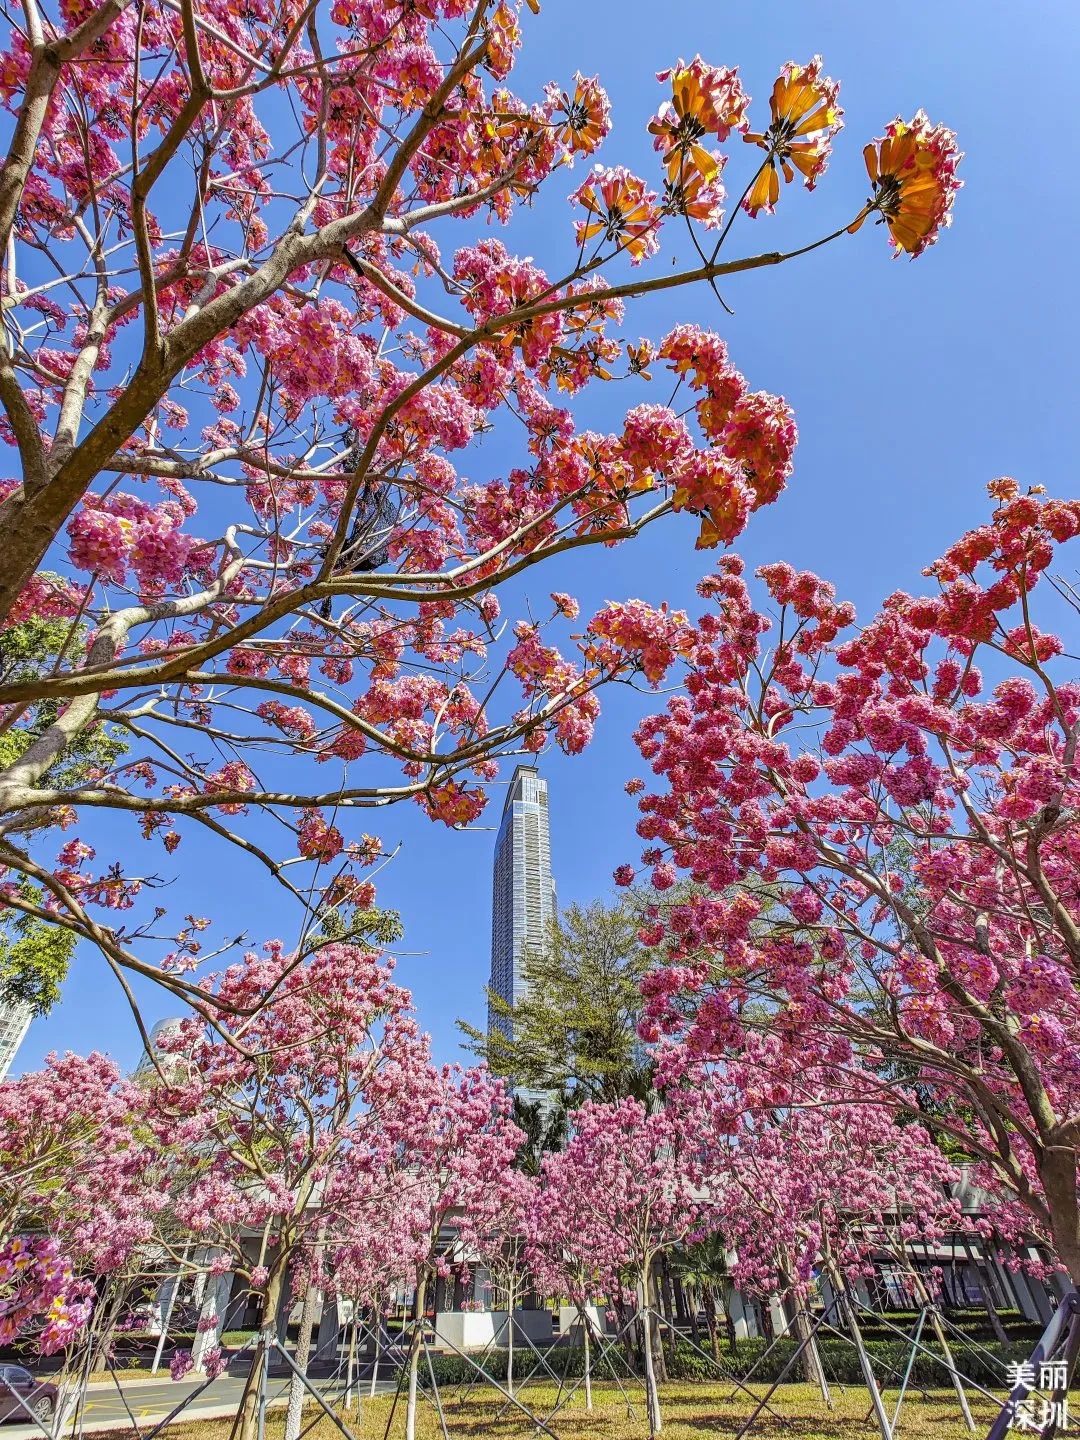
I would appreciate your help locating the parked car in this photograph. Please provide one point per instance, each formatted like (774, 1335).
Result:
(38, 1395)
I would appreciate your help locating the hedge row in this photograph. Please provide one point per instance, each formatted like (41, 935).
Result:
(839, 1358)
(563, 1360)
(840, 1361)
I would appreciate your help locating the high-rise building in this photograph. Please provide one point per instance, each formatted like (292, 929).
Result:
(15, 1020)
(523, 891)
(168, 1062)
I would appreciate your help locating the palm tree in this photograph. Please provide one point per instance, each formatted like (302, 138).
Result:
(544, 1124)
(703, 1269)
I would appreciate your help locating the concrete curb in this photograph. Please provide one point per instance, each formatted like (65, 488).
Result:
(161, 1378)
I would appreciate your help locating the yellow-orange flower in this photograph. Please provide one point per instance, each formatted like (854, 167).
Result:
(600, 310)
(582, 122)
(640, 357)
(706, 100)
(714, 488)
(805, 118)
(690, 194)
(912, 171)
(623, 210)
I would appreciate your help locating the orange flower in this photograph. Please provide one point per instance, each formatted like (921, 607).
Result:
(586, 119)
(640, 357)
(623, 210)
(913, 174)
(597, 314)
(805, 117)
(712, 486)
(503, 38)
(690, 194)
(705, 100)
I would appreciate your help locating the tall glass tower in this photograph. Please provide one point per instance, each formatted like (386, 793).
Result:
(523, 891)
(15, 1017)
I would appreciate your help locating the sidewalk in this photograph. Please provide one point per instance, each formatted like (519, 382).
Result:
(119, 1424)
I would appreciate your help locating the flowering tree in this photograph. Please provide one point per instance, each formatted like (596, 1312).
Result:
(813, 1175)
(365, 1255)
(241, 354)
(85, 1199)
(460, 1158)
(495, 1238)
(623, 1191)
(54, 1123)
(560, 1254)
(74, 1167)
(40, 1295)
(808, 1167)
(911, 828)
(294, 1115)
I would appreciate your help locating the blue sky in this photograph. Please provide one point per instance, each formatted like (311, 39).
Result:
(913, 383)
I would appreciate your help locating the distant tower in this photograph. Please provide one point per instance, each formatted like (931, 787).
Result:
(523, 891)
(15, 1019)
(168, 1061)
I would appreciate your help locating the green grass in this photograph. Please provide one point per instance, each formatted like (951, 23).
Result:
(689, 1412)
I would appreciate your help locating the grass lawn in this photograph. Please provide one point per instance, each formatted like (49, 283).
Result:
(689, 1411)
(128, 1372)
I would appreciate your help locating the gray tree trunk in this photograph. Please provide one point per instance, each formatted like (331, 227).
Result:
(414, 1355)
(294, 1414)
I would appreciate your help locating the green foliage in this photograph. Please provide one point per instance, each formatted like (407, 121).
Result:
(29, 650)
(840, 1360)
(574, 1034)
(545, 1127)
(704, 1262)
(347, 924)
(34, 955)
(564, 1360)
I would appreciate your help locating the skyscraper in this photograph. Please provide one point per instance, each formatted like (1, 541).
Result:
(167, 1061)
(15, 1020)
(523, 891)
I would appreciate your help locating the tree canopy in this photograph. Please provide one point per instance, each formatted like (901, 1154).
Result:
(574, 1033)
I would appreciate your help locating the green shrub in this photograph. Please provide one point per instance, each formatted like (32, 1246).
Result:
(455, 1370)
(840, 1361)
(889, 1358)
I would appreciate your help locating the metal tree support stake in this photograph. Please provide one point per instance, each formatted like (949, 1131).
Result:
(1060, 1341)
(864, 1360)
(763, 1404)
(535, 1419)
(959, 1379)
(724, 1372)
(539, 1362)
(275, 1344)
(603, 1353)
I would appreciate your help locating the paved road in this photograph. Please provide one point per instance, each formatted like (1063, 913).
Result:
(151, 1401)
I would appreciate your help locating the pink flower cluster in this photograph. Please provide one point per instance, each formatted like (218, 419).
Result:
(907, 824)
(39, 1293)
(112, 536)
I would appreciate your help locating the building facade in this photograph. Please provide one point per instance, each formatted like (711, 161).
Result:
(167, 1062)
(523, 890)
(15, 1020)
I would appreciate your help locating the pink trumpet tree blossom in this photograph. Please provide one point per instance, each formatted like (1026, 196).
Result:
(245, 450)
(626, 1188)
(75, 1165)
(904, 799)
(494, 1238)
(293, 1114)
(812, 1171)
(461, 1183)
(39, 1294)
